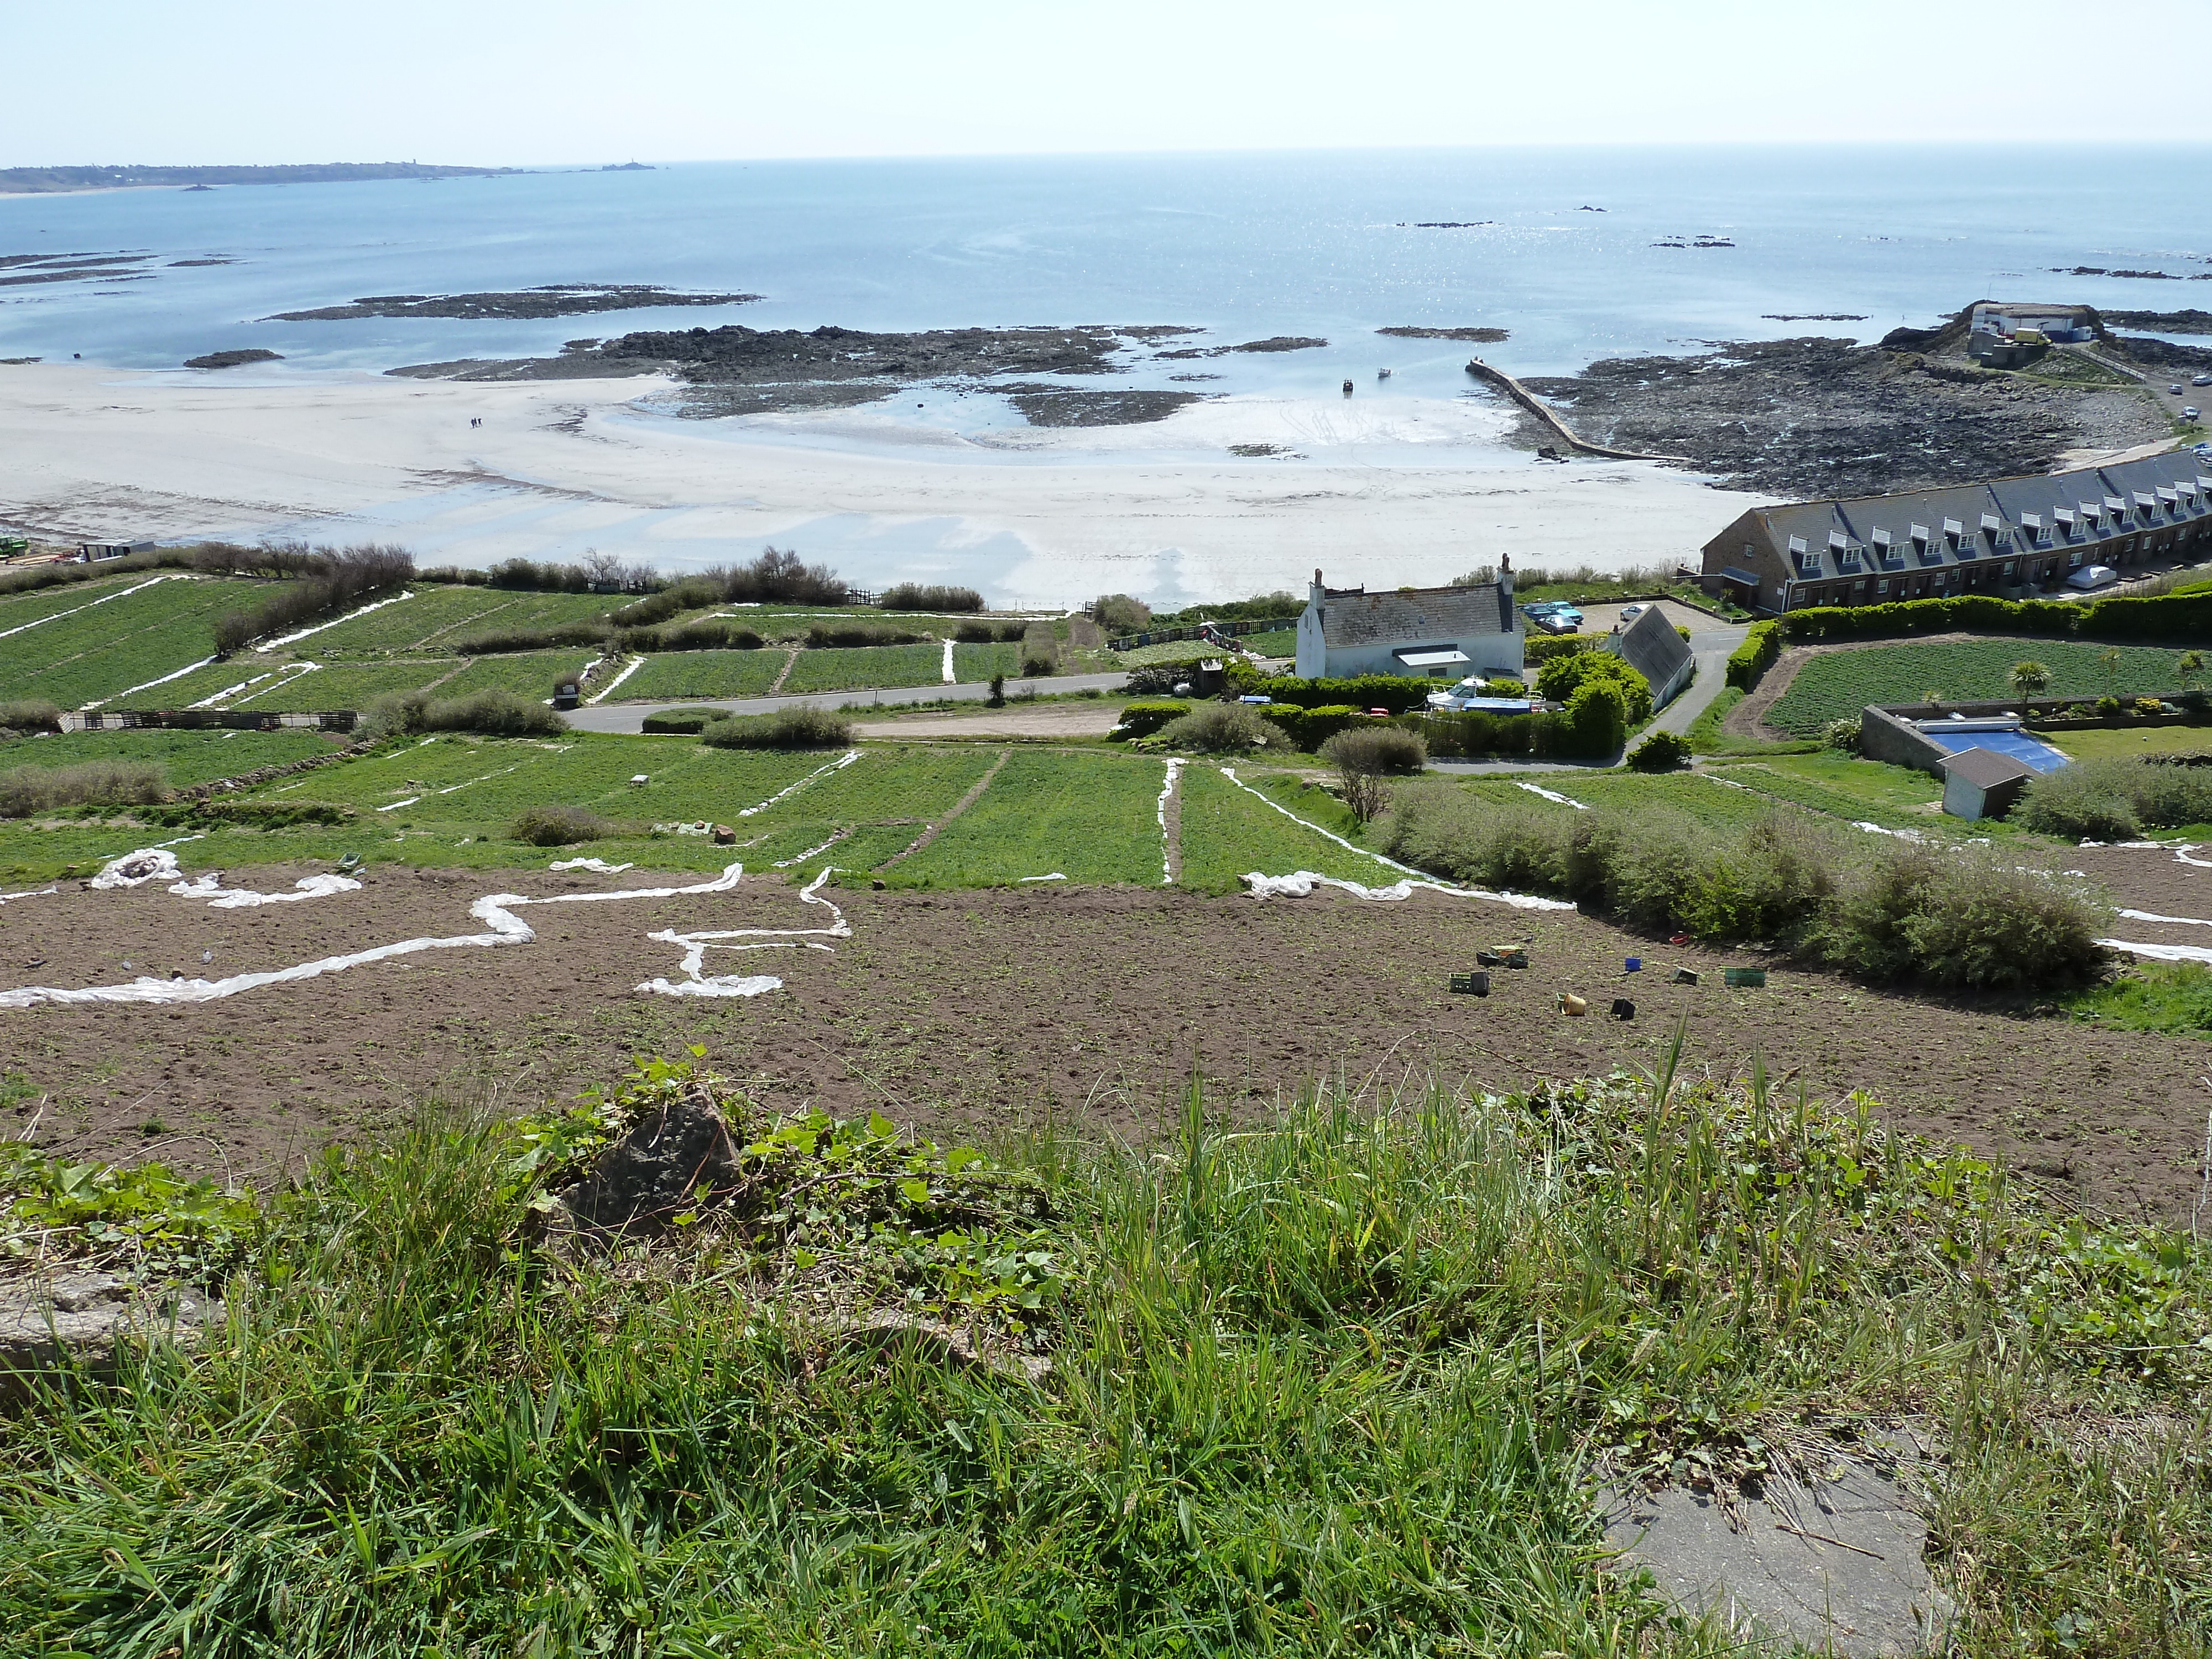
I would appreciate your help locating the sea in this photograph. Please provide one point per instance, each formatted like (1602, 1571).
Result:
(1573, 251)
(1578, 253)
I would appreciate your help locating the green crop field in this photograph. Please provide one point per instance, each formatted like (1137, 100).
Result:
(1228, 833)
(897, 790)
(863, 666)
(1895, 797)
(18, 610)
(120, 642)
(1837, 684)
(1282, 642)
(1173, 651)
(702, 674)
(526, 673)
(973, 664)
(1089, 818)
(340, 685)
(188, 758)
(438, 616)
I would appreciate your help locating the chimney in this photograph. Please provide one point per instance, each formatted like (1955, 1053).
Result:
(1316, 592)
(1505, 576)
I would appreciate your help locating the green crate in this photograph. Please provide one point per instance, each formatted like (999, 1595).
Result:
(1745, 978)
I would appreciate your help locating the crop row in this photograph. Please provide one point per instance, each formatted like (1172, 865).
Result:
(119, 643)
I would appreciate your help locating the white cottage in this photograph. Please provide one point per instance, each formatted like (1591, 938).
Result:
(1438, 633)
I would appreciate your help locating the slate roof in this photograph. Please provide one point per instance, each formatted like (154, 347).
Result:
(2002, 519)
(1415, 615)
(1650, 646)
(1985, 769)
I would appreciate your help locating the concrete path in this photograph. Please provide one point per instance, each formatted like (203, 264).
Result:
(629, 717)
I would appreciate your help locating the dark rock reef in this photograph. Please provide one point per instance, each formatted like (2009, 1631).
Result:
(1478, 335)
(555, 300)
(1812, 418)
(233, 359)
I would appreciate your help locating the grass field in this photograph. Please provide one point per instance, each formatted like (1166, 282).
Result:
(863, 666)
(885, 799)
(119, 643)
(1090, 817)
(437, 616)
(1837, 684)
(704, 674)
(188, 758)
(1228, 834)
(526, 673)
(2159, 740)
(1895, 797)
(18, 610)
(973, 662)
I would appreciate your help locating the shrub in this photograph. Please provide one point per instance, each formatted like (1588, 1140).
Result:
(1039, 651)
(1987, 926)
(692, 594)
(1751, 660)
(1117, 613)
(1505, 689)
(494, 714)
(683, 722)
(1221, 727)
(779, 577)
(1374, 750)
(559, 826)
(1398, 693)
(1141, 719)
(843, 634)
(798, 725)
(1542, 647)
(976, 631)
(1596, 717)
(1843, 733)
(1661, 752)
(29, 715)
(532, 639)
(1309, 728)
(326, 582)
(27, 789)
(914, 596)
(2116, 798)
(1558, 679)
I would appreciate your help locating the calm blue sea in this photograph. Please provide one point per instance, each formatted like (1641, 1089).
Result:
(1243, 246)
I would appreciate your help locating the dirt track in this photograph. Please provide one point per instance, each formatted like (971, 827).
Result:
(993, 1009)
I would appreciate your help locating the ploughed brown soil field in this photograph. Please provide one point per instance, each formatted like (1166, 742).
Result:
(978, 1011)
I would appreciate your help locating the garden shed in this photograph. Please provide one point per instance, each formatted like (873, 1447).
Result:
(1981, 783)
(1651, 646)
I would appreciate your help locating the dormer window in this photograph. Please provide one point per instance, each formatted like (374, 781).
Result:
(1953, 532)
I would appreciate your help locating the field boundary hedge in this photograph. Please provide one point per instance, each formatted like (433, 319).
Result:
(2178, 616)
(1749, 661)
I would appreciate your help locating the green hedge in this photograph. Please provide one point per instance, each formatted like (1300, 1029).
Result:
(1399, 693)
(1309, 728)
(683, 722)
(1757, 654)
(1141, 719)
(1542, 647)
(2171, 616)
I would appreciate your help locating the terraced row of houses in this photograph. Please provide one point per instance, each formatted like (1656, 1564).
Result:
(2010, 537)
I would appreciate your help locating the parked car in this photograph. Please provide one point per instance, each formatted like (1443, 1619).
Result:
(1554, 615)
(2175, 389)
(1630, 610)
(2093, 575)
(2202, 379)
(2188, 411)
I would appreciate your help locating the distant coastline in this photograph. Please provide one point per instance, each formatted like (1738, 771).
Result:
(43, 181)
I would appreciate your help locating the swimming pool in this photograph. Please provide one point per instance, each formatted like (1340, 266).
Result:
(2031, 752)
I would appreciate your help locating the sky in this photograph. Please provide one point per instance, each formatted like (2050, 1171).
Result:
(494, 83)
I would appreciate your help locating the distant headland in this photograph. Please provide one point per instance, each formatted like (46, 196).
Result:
(32, 181)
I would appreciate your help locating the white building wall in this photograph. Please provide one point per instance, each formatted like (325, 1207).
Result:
(1490, 654)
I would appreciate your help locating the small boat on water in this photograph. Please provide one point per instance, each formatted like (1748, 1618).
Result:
(1382, 373)
(1347, 388)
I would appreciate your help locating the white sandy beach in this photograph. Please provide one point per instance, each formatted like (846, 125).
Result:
(1374, 489)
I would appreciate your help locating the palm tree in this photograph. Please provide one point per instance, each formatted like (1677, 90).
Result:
(2110, 662)
(2030, 679)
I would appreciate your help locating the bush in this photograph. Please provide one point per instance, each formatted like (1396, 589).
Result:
(29, 715)
(1141, 719)
(1117, 613)
(779, 577)
(799, 726)
(1542, 647)
(493, 713)
(1039, 651)
(1309, 728)
(327, 582)
(692, 594)
(1661, 752)
(2116, 798)
(532, 639)
(1751, 660)
(977, 632)
(1558, 679)
(1596, 716)
(683, 722)
(846, 634)
(1505, 689)
(1843, 733)
(1376, 749)
(1398, 693)
(27, 789)
(2178, 616)
(708, 634)
(1881, 910)
(913, 596)
(559, 826)
(1223, 727)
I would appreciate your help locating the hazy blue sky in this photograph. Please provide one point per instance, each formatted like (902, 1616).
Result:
(561, 80)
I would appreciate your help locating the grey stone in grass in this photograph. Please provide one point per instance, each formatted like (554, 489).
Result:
(73, 1316)
(650, 1174)
(1837, 1566)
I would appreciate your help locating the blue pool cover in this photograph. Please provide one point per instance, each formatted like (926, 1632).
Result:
(2031, 752)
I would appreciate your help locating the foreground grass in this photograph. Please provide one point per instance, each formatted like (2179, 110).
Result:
(1337, 1385)
(2175, 997)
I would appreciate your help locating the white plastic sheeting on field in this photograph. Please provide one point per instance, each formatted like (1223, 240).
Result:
(1304, 882)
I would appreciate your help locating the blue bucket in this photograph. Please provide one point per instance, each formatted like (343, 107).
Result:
(1636, 964)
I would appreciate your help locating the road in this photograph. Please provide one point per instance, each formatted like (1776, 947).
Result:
(629, 717)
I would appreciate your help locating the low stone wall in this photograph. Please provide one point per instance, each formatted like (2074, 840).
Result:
(267, 773)
(1884, 736)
